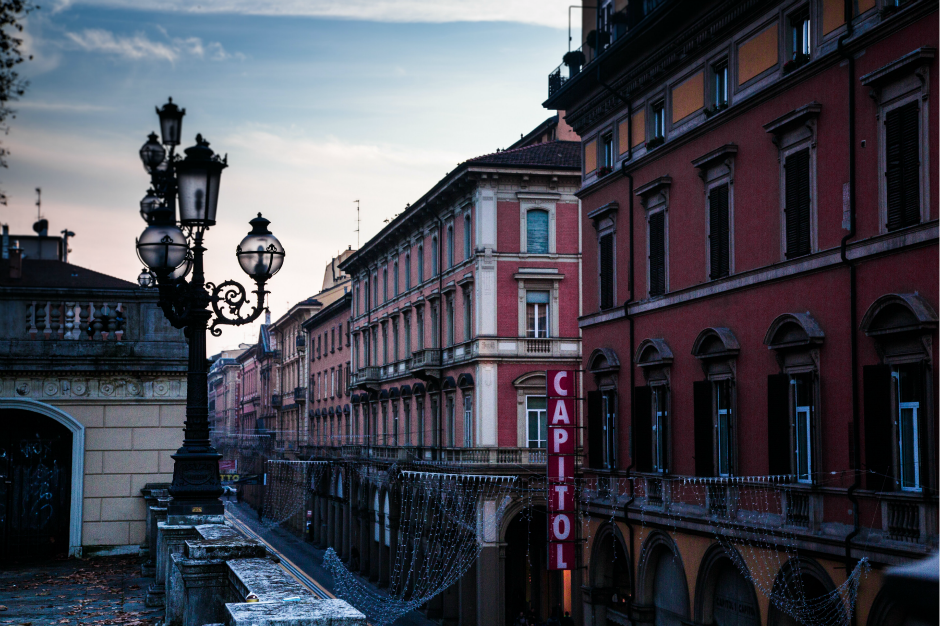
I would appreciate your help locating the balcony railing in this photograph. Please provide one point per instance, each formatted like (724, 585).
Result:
(300, 394)
(426, 358)
(367, 375)
(276, 400)
(456, 456)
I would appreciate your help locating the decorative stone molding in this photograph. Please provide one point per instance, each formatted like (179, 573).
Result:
(105, 388)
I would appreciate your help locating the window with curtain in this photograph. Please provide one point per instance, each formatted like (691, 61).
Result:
(537, 231)
(537, 315)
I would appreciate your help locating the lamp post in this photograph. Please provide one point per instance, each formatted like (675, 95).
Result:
(172, 249)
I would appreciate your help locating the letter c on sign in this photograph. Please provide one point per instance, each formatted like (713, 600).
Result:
(557, 523)
(558, 378)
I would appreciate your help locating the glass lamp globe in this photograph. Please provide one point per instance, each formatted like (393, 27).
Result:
(148, 206)
(260, 254)
(162, 248)
(171, 123)
(183, 270)
(152, 154)
(145, 279)
(198, 175)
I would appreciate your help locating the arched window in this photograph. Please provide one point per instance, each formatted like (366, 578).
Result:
(466, 236)
(537, 231)
(450, 246)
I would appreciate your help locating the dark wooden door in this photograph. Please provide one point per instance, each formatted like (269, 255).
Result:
(35, 486)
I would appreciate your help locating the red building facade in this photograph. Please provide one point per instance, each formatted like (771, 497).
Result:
(458, 307)
(760, 295)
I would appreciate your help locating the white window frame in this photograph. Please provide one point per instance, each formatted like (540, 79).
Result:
(529, 201)
(468, 420)
(539, 333)
(542, 416)
(915, 408)
(660, 428)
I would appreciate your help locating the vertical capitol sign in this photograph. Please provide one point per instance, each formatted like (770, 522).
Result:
(560, 390)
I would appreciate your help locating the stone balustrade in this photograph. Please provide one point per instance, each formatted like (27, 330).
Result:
(98, 321)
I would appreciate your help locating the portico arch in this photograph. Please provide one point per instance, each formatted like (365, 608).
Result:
(77, 429)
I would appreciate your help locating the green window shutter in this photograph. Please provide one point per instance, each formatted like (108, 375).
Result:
(798, 202)
(902, 173)
(704, 428)
(607, 271)
(657, 258)
(719, 233)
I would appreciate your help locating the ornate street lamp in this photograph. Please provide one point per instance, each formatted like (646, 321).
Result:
(172, 251)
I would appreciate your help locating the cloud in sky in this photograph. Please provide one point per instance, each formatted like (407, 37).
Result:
(139, 46)
(539, 12)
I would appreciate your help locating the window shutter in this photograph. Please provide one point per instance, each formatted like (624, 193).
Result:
(903, 166)
(719, 240)
(778, 424)
(607, 271)
(657, 258)
(704, 428)
(879, 459)
(798, 203)
(643, 429)
(537, 232)
(595, 426)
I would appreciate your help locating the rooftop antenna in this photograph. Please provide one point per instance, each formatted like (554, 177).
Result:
(357, 224)
(38, 204)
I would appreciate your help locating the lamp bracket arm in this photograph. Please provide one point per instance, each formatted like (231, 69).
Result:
(174, 305)
(227, 300)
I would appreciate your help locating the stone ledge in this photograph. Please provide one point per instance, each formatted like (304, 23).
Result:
(318, 613)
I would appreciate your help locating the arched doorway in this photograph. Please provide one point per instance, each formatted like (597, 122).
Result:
(805, 588)
(610, 577)
(526, 567)
(724, 596)
(38, 516)
(662, 583)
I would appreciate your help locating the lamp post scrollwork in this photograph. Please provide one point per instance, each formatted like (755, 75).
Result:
(172, 249)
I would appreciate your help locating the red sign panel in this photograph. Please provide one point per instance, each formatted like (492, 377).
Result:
(562, 433)
(561, 555)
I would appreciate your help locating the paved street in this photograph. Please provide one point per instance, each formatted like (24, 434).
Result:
(304, 555)
(101, 591)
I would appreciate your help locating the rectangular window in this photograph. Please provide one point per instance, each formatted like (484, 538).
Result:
(451, 422)
(536, 421)
(607, 150)
(537, 231)
(395, 339)
(907, 392)
(658, 118)
(902, 160)
(375, 344)
(384, 344)
(394, 423)
(660, 417)
(468, 421)
(435, 325)
(657, 253)
(467, 316)
(385, 438)
(723, 426)
(434, 256)
(450, 321)
(395, 279)
(609, 413)
(537, 316)
(419, 409)
(420, 329)
(803, 409)
(798, 204)
(467, 249)
(720, 84)
(606, 265)
(406, 322)
(420, 264)
(800, 35)
(332, 340)
(333, 382)
(719, 242)
(406, 408)
(385, 285)
(407, 272)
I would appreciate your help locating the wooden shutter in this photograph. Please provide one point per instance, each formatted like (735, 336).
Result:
(642, 429)
(798, 203)
(718, 236)
(607, 270)
(778, 424)
(657, 259)
(902, 173)
(595, 427)
(704, 428)
(879, 460)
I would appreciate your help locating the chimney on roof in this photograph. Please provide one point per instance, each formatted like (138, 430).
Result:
(6, 242)
(267, 317)
(16, 263)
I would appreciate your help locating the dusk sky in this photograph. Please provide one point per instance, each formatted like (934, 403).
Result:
(317, 103)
